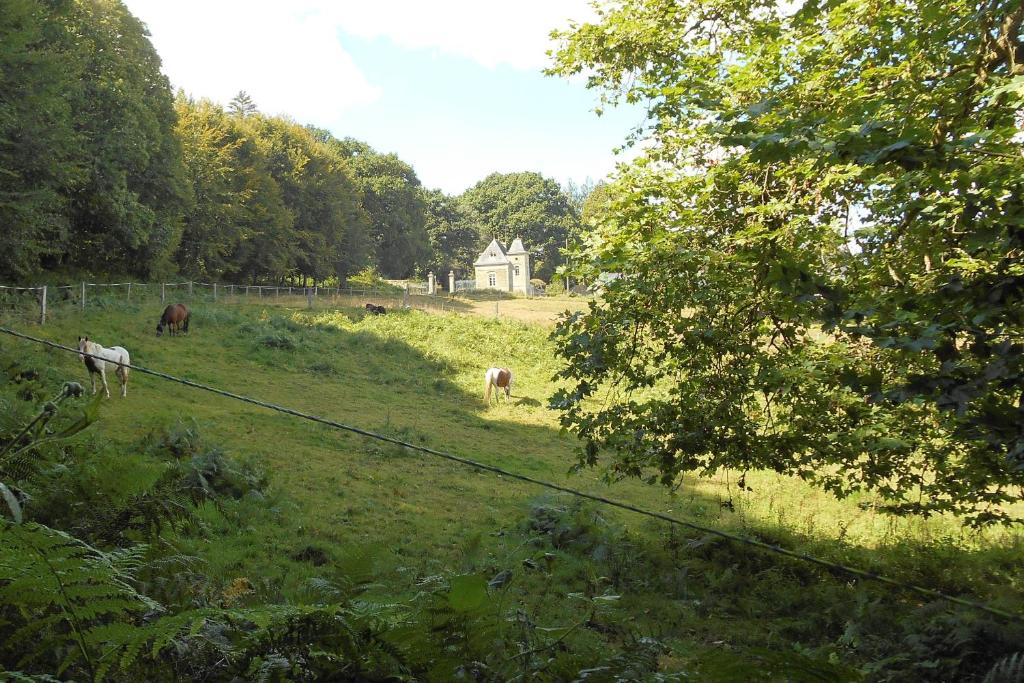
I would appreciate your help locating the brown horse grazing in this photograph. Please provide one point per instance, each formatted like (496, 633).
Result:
(375, 309)
(175, 317)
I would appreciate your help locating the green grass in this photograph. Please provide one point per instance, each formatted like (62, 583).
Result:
(340, 503)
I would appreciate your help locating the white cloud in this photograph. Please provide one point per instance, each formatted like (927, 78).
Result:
(490, 33)
(288, 57)
(289, 62)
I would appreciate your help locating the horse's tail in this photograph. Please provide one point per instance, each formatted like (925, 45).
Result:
(188, 315)
(487, 388)
(124, 365)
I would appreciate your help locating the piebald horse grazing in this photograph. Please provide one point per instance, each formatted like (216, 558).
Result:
(500, 378)
(115, 355)
(175, 317)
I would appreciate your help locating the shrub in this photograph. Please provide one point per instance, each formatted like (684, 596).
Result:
(369, 278)
(280, 341)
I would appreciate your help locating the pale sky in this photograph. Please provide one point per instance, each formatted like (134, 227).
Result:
(451, 86)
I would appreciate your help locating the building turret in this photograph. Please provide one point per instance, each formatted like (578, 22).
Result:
(520, 259)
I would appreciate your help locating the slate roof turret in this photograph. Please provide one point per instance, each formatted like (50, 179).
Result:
(493, 255)
(517, 247)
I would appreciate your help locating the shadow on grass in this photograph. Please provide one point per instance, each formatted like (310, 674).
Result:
(674, 582)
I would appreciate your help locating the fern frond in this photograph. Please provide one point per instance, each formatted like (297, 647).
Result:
(1007, 670)
(788, 665)
(19, 677)
(124, 645)
(254, 642)
(55, 579)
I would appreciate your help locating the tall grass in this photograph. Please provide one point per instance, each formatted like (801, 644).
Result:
(419, 377)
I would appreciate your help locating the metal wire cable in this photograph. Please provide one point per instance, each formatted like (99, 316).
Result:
(834, 566)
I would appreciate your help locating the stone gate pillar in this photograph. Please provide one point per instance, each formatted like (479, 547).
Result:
(430, 283)
(451, 282)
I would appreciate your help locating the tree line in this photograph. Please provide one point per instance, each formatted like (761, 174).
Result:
(103, 169)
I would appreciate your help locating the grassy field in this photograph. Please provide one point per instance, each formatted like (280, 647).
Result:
(352, 501)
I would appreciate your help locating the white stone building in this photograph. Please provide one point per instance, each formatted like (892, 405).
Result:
(504, 270)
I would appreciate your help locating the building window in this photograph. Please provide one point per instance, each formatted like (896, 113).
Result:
(492, 280)
(517, 271)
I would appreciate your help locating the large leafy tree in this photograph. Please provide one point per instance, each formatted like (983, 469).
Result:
(331, 227)
(453, 236)
(596, 204)
(127, 213)
(39, 149)
(272, 198)
(393, 199)
(822, 246)
(210, 143)
(526, 205)
(267, 248)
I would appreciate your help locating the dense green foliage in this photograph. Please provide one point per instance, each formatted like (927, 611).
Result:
(393, 199)
(126, 213)
(90, 170)
(271, 199)
(822, 246)
(39, 143)
(454, 238)
(526, 205)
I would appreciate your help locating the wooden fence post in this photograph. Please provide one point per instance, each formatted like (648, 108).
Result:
(214, 292)
(309, 297)
(189, 289)
(259, 292)
(83, 297)
(42, 306)
(163, 292)
(129, 292)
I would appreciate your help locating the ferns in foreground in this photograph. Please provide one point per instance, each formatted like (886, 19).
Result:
(274, 642)
(72, 608)
(58, 590)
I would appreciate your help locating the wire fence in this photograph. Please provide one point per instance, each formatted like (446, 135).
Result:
(39, 304)
(744, 540)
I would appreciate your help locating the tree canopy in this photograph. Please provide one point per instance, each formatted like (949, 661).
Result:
(453, 235)
(526, 205)
(39, 155)
(272, 198)
(393, 199)
(91, 169)
(821, 244)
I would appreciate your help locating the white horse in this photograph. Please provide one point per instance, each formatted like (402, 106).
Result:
(114, 355)
(500, 378)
